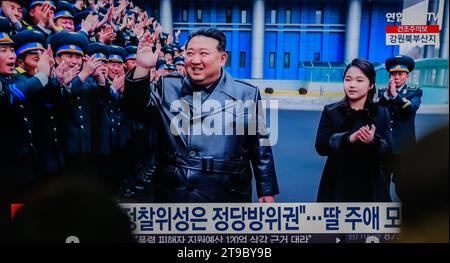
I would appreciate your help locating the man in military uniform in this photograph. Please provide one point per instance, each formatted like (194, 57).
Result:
(63, 17)
(180, 64)
(30, 45)
(130, 37)
(13, 11)
(116, 67)
(112, 132)
(130, 60)
(141, 150)
(194, 167)
(6, 69)
(124, 166)
(402, 101)
(18, 155)
(168, 54)
(41, 15)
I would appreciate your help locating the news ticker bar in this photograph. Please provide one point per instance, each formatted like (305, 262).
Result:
(264, 239)
(249, 218)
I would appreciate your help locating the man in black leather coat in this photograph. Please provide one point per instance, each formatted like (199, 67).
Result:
(208, 158)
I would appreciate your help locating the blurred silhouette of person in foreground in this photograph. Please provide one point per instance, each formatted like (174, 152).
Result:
(71, 210)
(424, 187)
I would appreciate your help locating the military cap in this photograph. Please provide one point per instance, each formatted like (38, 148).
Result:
(5, 39)
(69, 42)
(34, 3)
(63, 9)
(131, 52)
(116, 54)
(179, 60)
(168, 49)
(400, 63)
(171, 67)
(5, 30)
(99, 50)
(29, 40)
(161, 64)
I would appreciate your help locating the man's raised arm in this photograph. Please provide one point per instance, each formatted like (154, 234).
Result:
(136, 96)
(145, 57)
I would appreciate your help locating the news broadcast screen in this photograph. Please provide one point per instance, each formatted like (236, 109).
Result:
(224, 122)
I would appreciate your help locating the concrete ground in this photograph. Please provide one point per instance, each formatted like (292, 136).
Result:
(299, 167)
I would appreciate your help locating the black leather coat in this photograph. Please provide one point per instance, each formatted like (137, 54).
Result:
(203, 168)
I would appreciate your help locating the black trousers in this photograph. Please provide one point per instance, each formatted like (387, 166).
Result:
(111, 169)
(393, 172)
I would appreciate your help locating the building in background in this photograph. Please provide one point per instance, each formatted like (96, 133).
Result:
(302, 42)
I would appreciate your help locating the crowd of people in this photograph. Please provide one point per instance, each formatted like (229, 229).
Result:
(86, 90)
(62, 72)
(80, 82)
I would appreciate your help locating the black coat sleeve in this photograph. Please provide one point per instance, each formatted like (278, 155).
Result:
(327, 139)
(136, 96)
(383, 136)
(262, 159)
(382, 99)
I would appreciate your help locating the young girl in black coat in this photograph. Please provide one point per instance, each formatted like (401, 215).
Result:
(355, 134)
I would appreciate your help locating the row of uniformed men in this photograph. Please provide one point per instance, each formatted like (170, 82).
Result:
(49, 17)
(66, 118)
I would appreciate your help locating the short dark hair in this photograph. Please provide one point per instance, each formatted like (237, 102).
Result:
(212, 33)
(368, 70)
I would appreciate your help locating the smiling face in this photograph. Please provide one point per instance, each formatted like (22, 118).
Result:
(66, 23)
(356, 84)
(70, 59)
(7, 60)
(204, 61)
(115, 69)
